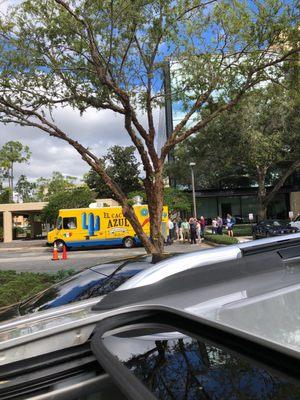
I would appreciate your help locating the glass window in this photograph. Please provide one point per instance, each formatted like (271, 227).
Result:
(207, 206)
(175, 366)
(229, 205)
(249, 206)
(70, 223)
(59, 223)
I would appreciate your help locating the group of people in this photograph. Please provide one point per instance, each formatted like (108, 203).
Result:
(217, 225)
(191, 230)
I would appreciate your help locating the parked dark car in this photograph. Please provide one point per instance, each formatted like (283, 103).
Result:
(273, 227)
(215, 324)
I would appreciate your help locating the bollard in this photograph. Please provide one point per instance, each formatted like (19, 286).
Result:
(55, 253)
(64, 254)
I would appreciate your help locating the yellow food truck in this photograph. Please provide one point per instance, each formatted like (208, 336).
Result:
(105, 226)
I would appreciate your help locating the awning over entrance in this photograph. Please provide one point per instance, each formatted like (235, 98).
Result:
(18, 208)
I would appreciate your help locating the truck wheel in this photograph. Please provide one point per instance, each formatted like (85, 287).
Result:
(128, 242)
(60, 245)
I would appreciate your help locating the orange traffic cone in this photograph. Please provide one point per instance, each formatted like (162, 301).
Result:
(64, 254)
(55, 253)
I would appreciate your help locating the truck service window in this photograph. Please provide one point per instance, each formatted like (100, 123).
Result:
(69, 223)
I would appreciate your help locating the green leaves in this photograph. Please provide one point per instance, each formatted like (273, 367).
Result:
(122, 166)
(13, 152)
(77, 197)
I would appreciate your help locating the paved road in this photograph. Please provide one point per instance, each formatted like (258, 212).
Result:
(34, 256)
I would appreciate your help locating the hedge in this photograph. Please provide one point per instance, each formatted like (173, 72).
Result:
(241, 230)
(238, 230)
(220, 239)
(15, 287)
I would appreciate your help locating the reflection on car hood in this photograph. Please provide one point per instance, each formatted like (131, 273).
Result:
(91, 282)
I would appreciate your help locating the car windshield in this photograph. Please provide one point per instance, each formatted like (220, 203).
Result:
(84, 285)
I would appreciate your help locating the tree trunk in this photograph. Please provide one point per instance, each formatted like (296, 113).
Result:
(130, 215)
(154, 191)
(262, 193)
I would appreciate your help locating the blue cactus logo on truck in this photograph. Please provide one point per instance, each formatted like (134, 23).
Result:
(90, 222)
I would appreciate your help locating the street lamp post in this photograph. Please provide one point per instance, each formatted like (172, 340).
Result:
(192, 164)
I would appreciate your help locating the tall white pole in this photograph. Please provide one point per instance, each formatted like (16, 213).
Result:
(193, 189)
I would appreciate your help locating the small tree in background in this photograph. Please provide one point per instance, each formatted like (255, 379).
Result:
(58, 183)
(25, 189)
(11, 153)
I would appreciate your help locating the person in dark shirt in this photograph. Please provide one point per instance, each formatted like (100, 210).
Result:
(193, 230)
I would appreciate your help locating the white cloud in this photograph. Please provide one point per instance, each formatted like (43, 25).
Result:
(98, 130)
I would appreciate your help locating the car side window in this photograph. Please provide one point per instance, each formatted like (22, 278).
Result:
(69, 223)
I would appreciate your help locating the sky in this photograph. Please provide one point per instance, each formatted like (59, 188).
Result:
(98, 130)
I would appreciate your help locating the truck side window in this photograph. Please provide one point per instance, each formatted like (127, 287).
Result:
(69, 223)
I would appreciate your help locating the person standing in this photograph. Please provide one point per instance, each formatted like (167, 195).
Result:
(214, 226)
(219, 225)
(179, 223)
(171, 231)
(202, 224)
(198, 231)
(192, 223)
(185, 230)
(229, 225)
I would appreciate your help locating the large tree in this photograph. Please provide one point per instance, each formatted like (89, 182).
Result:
(11, 153)
(87, 54)
(257, 143)
(122, 167)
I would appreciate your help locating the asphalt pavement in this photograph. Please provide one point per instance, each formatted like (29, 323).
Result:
(35, 256)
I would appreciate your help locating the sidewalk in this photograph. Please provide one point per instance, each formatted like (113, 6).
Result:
(23, 245)
(40, 245)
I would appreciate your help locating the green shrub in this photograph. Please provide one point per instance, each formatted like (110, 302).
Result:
(15, 287)
(241, 230)
(220, 239)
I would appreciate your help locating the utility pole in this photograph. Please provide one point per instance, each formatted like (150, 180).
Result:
(192, 164)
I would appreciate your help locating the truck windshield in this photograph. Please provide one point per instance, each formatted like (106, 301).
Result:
(59, 223)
